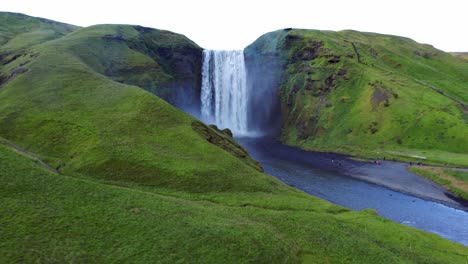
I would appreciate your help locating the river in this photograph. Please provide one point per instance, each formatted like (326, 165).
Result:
(390, 189)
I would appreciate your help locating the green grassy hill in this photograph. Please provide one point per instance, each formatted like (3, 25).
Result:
(463, 55)
(60, 104)
(19, 31)
(54, 218)
(368, 94)
(94, 168)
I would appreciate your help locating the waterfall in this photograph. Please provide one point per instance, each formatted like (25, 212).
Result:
(224, 95)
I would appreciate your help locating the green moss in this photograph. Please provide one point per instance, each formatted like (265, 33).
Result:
(68, 111)
(400, 96)
(224, 140)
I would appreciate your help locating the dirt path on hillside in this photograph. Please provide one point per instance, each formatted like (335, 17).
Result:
(26, 154)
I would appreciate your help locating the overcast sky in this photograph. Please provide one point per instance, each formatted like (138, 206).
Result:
(237, 23)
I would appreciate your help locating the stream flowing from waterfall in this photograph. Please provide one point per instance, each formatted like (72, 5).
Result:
(225, 99)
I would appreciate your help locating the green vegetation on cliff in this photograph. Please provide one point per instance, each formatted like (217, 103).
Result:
(94, 168)
(368, 94)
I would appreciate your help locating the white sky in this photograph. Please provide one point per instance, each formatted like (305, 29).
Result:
(235, 24)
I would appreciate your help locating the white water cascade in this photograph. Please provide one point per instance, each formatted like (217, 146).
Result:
(224, 95)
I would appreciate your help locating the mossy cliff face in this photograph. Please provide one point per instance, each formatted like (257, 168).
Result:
(365, 93)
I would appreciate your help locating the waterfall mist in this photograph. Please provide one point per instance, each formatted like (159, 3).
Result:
(239, 97)
(264, 108)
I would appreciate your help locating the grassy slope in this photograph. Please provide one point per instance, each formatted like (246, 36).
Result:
(138, 183)
(49, 217)
(20, 31)
(80, 120)
(385, 105)
(463, 55)
(454, 180)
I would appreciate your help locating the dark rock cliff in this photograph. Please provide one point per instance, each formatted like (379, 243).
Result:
(265, 65)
